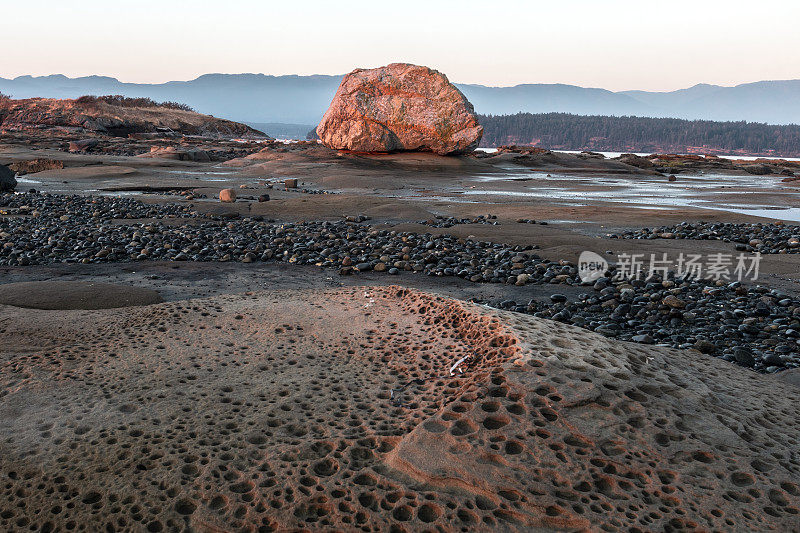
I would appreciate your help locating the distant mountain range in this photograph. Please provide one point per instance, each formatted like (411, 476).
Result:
(301, 100)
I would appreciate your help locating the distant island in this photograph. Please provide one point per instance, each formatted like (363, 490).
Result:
(564, 131)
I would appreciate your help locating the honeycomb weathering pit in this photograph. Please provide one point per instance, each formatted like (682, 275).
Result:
(337, 410)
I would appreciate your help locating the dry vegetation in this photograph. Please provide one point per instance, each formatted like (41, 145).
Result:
(119, 100)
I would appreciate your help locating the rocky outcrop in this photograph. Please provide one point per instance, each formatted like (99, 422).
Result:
(35, 165)
(760, 169)
(7, 180)
(178, 154)
(448, 416)
(636, 161)
(397, 108)
(101, 118)
(83, 145)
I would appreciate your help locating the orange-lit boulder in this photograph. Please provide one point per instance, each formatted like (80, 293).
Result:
(227, 195)
(399, 107)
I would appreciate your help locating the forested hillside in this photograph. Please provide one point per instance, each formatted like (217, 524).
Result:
(564, 131)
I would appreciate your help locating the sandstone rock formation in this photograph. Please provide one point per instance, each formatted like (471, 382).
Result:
(340, 410)
(399, 107)
(106, 119)
(177, 153)
(35, 165)
(83, 145)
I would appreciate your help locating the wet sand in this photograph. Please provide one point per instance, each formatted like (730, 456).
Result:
(399, 191)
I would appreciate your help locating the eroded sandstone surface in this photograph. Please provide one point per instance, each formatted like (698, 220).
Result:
(399, 107)
(377, 408)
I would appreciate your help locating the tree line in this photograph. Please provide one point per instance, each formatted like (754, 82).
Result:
(564, 131)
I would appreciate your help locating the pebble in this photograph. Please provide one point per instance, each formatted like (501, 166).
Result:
(441, 221)
(727, 320)
(753, 326)
(674, 302)
(766, 238)
(743, 356)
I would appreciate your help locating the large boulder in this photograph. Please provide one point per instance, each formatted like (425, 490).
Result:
(7, 180)
(399, 107)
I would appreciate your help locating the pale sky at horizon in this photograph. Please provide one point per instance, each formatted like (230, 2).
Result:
(616, 44)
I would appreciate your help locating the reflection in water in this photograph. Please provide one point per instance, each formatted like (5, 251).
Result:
(707, 191)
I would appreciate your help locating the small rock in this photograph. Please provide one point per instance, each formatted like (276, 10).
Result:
(674, 302)
(743, 356)
(704, 346)
(227, 195)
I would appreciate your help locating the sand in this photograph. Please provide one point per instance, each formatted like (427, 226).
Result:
(336, 409)
(75, 295)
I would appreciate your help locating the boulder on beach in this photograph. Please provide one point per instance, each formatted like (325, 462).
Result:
(227, 195)
(7, 180)
(400, 107)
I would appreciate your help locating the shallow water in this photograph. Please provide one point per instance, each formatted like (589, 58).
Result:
(29, 181)
(707, 191)
(610, 155)
(791, 214)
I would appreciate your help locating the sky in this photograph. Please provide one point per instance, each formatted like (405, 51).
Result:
(613, 44)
